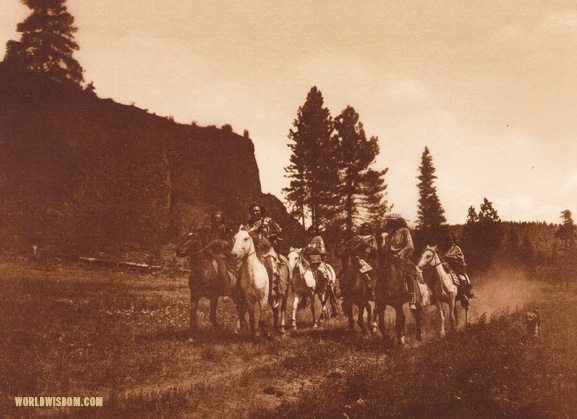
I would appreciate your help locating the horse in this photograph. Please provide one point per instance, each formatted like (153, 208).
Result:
(443, 288)
(204, 280)
(354, 292)
(254, 281)
(391, 291)
(306, 284)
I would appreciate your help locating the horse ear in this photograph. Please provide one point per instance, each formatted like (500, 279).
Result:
(434, 248)
(241, 228)
(292, 250)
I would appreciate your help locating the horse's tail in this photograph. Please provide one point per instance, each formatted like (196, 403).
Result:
(304, 302)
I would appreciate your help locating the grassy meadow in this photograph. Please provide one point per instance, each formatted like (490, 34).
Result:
(122, 335)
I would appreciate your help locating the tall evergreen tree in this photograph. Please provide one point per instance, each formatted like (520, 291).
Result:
(483, 234)
(313, 170)
(47, 42)
(430, 211)
(362, 189)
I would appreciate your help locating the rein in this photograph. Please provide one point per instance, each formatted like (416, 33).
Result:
(204, 248)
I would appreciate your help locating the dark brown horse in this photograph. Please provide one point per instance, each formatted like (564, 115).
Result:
(204, 280)
(391, 291)
(354, 292)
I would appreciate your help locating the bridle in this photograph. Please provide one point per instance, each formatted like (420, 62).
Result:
(434, 254)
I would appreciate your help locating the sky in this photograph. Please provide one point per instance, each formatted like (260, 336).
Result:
(490, 86)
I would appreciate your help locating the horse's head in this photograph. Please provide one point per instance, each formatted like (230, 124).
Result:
(243, 244)
(293, 257)
(429, 257)
(189, 243)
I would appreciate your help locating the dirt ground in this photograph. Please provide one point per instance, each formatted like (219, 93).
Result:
(87, 331)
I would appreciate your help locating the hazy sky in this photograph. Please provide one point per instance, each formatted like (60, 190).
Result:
(490, 86)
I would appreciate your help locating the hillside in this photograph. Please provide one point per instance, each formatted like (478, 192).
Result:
(82, 172)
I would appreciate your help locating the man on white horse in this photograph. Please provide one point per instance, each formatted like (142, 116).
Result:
(399, 249)
(268, 231)
(364, 247)
(455, 261)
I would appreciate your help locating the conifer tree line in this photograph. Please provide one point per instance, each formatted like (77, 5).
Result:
(332, 181)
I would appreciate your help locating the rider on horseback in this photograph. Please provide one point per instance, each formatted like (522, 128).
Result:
(455, 261)
(268, 231)
(315, 252)
(399, 248)
(363, 247)
(221, 236)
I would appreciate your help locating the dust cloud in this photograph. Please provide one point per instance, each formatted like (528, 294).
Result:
(502, 290)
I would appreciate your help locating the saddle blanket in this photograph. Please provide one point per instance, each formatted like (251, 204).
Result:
(458, 280)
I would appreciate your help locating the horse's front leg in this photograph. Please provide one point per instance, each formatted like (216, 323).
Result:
(293, 322)
(261, 310)
(382, 326)
(193, 314)
(212, 315)
(275, 316)
(361, 319)
(348, 310)
(400, 320)
(241, 311)
(456, 315)
(442, 316)
(452, 314)
(283, 313)
(417, 316)
(313, 310)
(323, 302)
(371, 318)
(252, 320)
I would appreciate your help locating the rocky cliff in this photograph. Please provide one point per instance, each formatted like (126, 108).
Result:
(86, 173)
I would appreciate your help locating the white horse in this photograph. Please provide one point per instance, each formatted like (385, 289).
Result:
(305, 285)
(443, 287)
(254, 281)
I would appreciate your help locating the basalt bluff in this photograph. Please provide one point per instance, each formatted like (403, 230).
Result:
(84, 172)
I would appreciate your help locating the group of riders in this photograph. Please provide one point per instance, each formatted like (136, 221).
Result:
(362, 246)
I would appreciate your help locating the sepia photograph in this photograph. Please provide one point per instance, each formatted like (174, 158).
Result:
(288, 209)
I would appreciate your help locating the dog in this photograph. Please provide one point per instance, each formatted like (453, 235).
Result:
(533, 322)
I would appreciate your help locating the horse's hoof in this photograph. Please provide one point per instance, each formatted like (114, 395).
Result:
(315, 326)
(402, 342)
(282, 331)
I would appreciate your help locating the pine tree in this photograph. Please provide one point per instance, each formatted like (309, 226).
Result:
(313, 170)
(483, 234)
(47, 43)
(430, 212)
(362, 189)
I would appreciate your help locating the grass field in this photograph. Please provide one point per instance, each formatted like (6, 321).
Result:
(77, 331)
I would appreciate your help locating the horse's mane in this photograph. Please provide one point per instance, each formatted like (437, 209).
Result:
(261, 247)
(203, 234)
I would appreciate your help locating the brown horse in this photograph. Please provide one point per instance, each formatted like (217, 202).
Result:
(391, 291)
(204, 280)
(354, 292)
